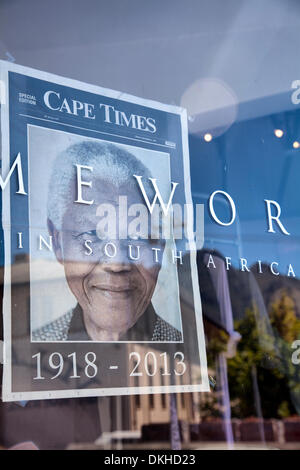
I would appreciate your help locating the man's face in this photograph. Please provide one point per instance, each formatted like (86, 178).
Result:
(112, 289)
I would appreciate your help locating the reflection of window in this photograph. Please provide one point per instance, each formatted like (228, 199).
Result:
(192, 404)
(182, 394)
(182, 400)
(151, 397)
(137, 398)
(137, 401)
(162, 383)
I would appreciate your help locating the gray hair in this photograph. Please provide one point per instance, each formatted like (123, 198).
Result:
(110, 162)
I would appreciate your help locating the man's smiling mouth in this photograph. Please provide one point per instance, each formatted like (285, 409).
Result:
(113, 287)
(114, 291)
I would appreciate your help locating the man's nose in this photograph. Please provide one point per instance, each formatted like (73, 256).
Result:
(114, 267)
(120, 262)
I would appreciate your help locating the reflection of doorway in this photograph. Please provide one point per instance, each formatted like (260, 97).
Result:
(219, 280)
(114, 415)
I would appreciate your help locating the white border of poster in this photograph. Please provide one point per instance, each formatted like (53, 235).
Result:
(8, 391)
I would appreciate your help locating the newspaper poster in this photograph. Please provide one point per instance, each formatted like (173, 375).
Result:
(101, 292)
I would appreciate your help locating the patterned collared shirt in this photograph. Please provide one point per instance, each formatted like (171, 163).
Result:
(70, 326)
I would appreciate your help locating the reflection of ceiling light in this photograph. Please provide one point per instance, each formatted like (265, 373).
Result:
(207, 137)
(212, 104)
(278, 133)
(296, 144)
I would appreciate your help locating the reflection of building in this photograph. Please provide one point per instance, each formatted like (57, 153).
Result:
(132, 412)
(155, 408)
(121, 412)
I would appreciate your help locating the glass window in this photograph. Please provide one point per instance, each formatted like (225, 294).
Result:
(233, 67)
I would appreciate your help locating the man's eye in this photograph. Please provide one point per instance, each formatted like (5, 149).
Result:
(90, 233)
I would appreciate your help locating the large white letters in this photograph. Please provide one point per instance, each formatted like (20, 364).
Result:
(17, 163)
(81, 183)
(274, 217)
(157, 195)
(212, 210)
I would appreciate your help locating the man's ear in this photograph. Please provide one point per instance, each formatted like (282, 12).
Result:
(56, 240)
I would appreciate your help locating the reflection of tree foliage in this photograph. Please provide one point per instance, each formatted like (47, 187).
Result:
(278, 379)
(265, 351)
(209, 406)
(216, 345)
(287, 328)
(283, 318)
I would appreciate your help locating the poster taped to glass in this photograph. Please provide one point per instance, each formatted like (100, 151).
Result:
(101, 293)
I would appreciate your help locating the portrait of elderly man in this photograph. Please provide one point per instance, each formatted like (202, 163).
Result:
(113, 289)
